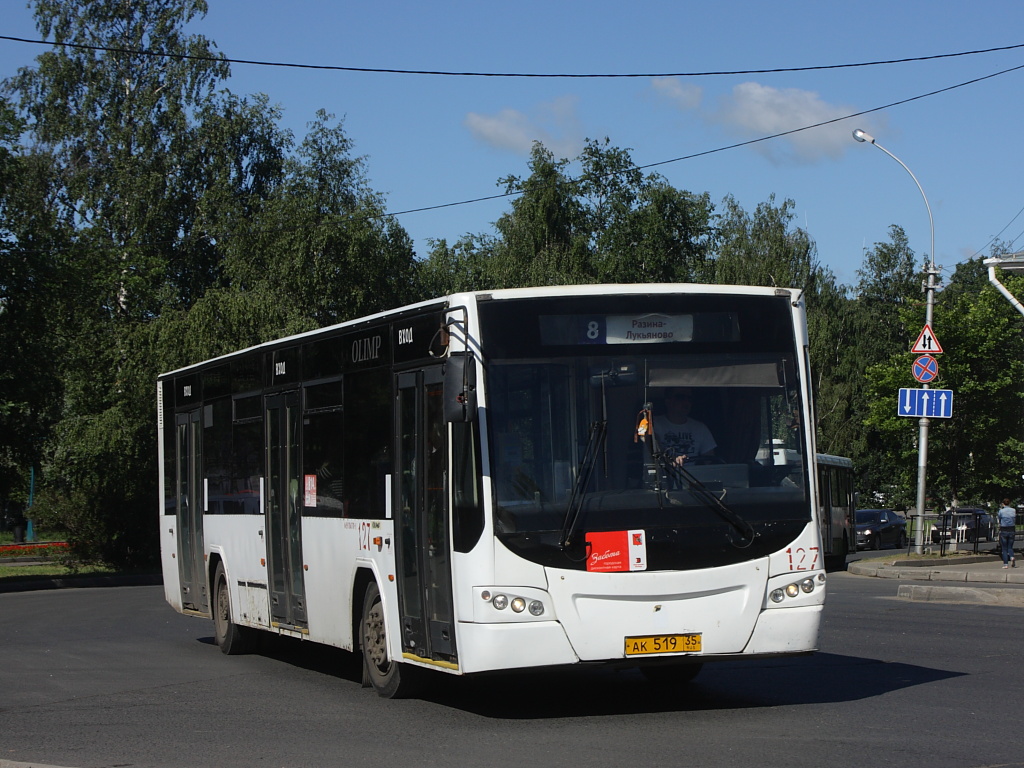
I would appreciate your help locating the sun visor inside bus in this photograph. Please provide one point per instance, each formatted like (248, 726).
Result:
(737, 375)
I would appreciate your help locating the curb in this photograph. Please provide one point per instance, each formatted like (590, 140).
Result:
(936, 561)
(928, 572)
(1013, 598)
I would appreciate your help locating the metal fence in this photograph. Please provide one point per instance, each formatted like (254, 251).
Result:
(960, 531)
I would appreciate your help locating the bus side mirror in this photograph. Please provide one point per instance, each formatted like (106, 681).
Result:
(459, 388)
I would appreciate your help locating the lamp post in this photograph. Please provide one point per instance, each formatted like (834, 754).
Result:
(1011, 262)
(922, 440)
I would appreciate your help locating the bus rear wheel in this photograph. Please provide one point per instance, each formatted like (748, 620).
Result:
(231, 638)
(389, 678)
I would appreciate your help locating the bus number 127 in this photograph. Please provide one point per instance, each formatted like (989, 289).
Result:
(798, 558)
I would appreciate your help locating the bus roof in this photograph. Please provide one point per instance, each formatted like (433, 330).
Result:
(596, 289)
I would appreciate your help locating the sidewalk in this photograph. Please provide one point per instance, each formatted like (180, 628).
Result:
(970, 578)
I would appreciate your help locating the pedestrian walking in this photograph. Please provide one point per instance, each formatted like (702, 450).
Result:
(1007, 517)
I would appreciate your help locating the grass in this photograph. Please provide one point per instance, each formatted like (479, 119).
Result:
(39, 536)
(50, 571)
(46, 565)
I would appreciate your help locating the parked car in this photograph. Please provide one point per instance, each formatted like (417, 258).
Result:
(877, 528)
(969, 524)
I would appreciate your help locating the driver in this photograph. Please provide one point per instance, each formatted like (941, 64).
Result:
(679, 436)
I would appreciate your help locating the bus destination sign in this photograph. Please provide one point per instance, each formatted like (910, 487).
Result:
(652, 328)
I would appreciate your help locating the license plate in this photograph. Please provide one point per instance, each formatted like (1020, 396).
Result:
(651, 645)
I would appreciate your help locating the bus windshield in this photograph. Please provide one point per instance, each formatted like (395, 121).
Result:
(701, 449)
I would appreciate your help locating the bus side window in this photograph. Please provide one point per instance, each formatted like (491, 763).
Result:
(468, 510)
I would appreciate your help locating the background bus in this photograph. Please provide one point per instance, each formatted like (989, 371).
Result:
(479, 483)
(836, 508)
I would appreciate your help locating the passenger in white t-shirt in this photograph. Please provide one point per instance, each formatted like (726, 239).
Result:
(679, 437)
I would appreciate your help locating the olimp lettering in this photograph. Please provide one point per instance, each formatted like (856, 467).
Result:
(366, 349)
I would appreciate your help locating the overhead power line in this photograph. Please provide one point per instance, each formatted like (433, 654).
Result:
(737, 145)
(443, 73)
(682, 158)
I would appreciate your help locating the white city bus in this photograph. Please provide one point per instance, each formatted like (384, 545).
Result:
(836, 508)
(477, 483)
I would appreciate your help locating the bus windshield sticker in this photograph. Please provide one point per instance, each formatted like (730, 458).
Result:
(616, 551)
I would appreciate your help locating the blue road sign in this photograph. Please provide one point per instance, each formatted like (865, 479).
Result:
(931, 403)
(925, 369)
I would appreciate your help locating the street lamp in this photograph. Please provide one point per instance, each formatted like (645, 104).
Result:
(1011, 262)
(922, 440)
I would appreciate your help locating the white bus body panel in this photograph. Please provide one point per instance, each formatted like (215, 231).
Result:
(485, 647)
(786, 630)
(591, 614)
(333, 550)
(169, 561)
(599, 610)
(240, 542)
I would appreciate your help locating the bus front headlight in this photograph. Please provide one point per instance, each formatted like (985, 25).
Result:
(526, 604)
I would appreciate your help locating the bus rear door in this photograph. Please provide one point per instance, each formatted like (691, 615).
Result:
(189, 513)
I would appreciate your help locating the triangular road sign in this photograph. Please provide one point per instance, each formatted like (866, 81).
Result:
(926, 343)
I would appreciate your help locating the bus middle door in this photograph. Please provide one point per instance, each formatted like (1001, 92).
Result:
(283, 524)
(424, 562)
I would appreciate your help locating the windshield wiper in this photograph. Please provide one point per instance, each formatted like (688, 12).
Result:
(704, 494)
(598, 430)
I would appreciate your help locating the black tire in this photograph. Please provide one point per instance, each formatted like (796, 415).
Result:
(678, 674)
(901, 542)
(837, 561)
(389, 678)
(231, 638)
(876, 542)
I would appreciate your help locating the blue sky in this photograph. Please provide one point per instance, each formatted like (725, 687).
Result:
(433, 140)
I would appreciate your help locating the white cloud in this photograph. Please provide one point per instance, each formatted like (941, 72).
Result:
(684, 95)
(554, 124)
(753, 111)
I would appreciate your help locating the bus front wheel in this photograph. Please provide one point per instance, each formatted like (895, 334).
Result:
(389, 678)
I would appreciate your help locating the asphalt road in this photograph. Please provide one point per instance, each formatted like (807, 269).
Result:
(113, 677)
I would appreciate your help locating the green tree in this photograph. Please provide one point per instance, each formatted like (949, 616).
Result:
(30, 292)
(764, 248)
(612, 223)
(316, 249)
(641, 229)
(975, 456)
(887, 295)
(120, 130)
(463, 266)
(542, 240)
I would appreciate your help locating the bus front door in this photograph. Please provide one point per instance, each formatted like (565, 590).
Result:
(425, 584)
(189, 474)
(283, 524)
